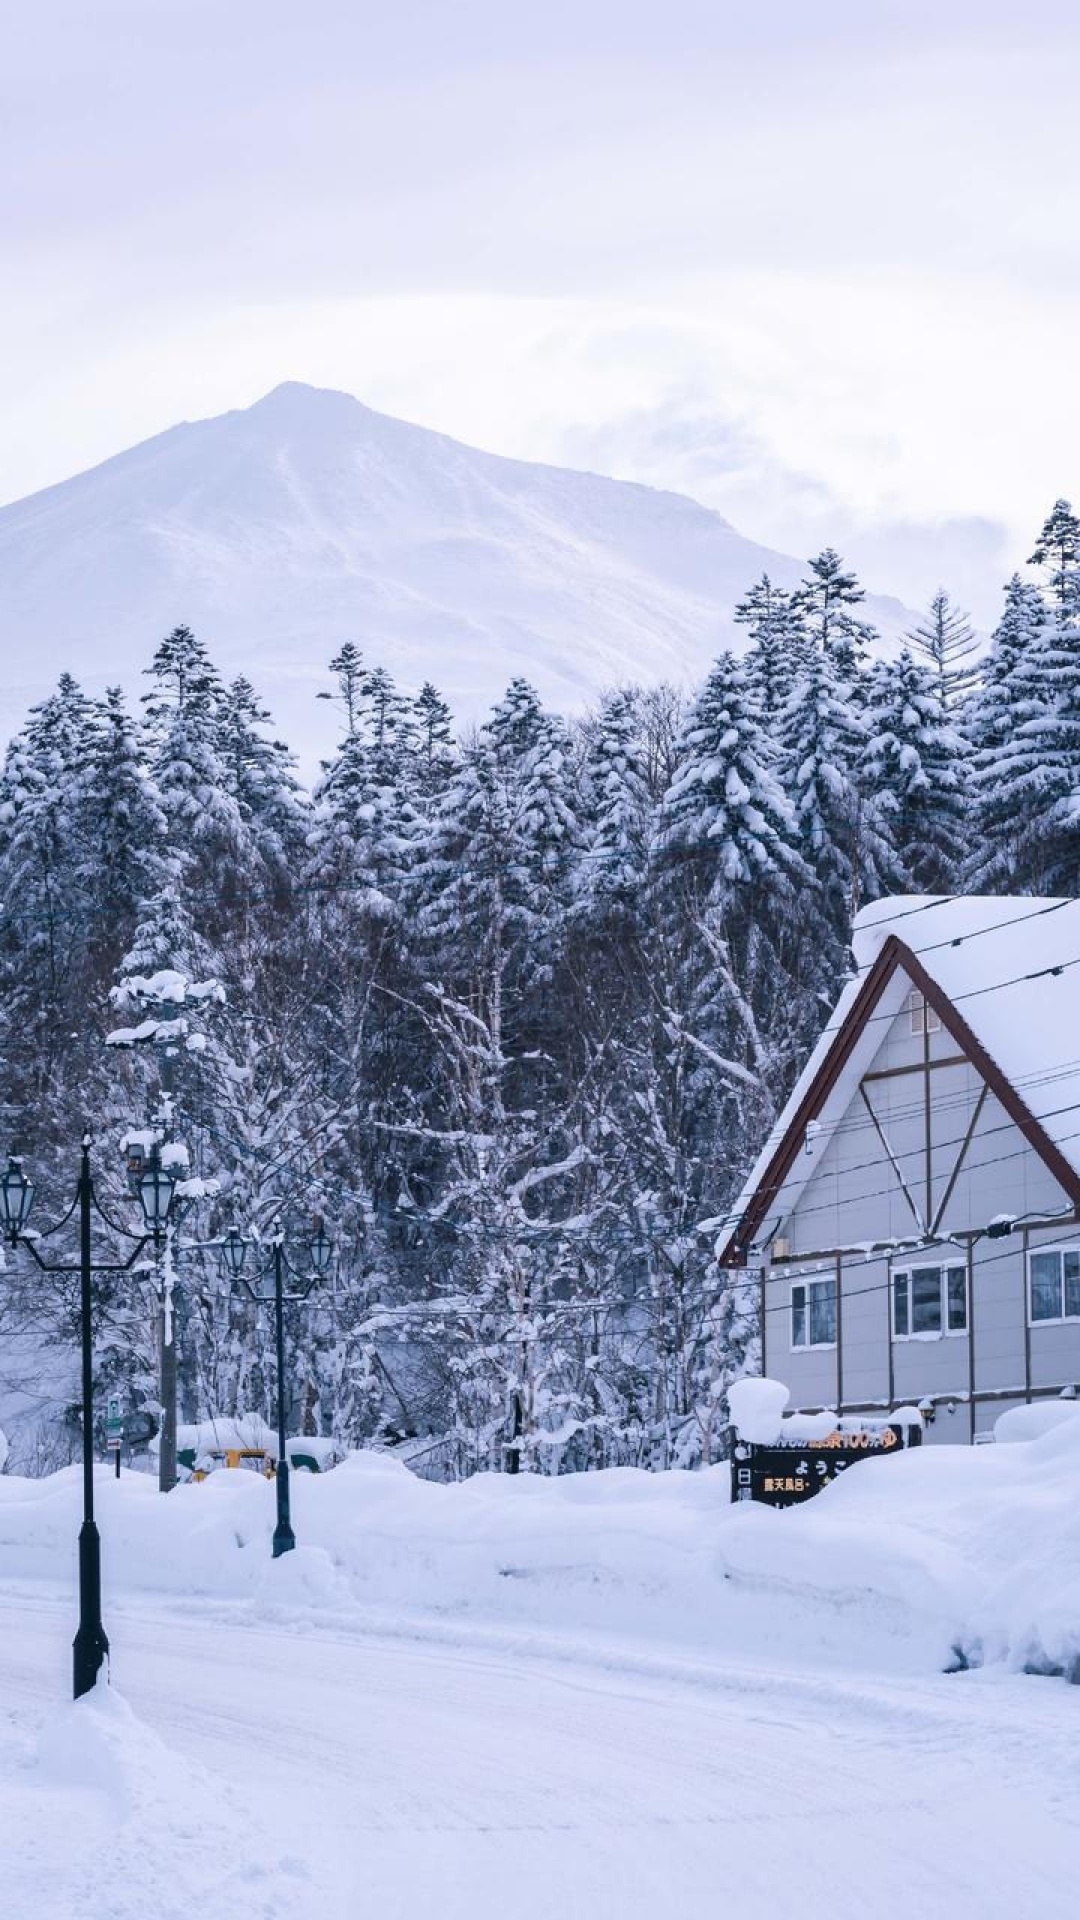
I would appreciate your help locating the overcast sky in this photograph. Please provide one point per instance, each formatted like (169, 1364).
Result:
(815, 263)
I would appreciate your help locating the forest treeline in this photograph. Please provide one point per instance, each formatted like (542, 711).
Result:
(513, 1012)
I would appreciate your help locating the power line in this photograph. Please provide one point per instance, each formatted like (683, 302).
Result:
(535, 1229)
(828, 1035)
(946, 1103)
(469, 870)
(733, 1216)
(907, 1251)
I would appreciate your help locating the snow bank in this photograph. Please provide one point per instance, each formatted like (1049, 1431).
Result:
(1030, 1423)
(622, 1548)
(109, 1822)
(982, 1544)
(934, 1556)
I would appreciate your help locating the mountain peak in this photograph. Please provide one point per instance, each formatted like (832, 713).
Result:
(282, 529)
(294, 402)
(290, 394)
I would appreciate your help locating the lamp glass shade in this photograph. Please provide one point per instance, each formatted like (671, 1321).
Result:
(320, 1250)
(16, 1196)
(156, 1190)
(233, 1253)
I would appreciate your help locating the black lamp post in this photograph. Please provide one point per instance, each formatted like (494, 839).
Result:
(91, 1643)
(269, 1285)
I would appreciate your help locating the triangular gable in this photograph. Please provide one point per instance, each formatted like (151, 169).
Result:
(1017, 1109)
(829, 1084)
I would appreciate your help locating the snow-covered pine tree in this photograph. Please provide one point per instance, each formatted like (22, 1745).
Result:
(494, 876)
(1024, 722)
(827, 597)
(775, 622)
(184, 679)
(388, 720)
(259, 771)
(434, 756)
(946, 641)
(348, 669)
(725, 812)
(48, 901)
(210, 853)
(1057, 551)
(914, 766)
(1006, 770)
(364, 824)
(1041, 764)
(730, 1005)
(127, 826)
(843, 824)
(614, 859)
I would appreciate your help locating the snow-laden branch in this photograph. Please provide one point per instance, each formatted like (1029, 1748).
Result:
(733, 1069)
(448, 1136)
(536, 1176)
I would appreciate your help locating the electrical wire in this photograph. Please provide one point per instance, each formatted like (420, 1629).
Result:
(908, 1253)
(726, 1222)
(471, 870)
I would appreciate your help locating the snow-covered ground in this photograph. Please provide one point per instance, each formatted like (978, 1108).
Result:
(604, 1695)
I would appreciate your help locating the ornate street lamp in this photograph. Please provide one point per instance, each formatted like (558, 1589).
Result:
(321, 1249)
(16, 1199)
(234, 1253)
(91, 1644)
(269, 1285)
(156, 1188)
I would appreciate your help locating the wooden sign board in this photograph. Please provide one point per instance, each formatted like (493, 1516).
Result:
(791, 1471)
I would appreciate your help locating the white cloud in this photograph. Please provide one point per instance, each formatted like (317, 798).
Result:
(814, 265)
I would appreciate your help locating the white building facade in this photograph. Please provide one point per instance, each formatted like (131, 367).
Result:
(913, 1223)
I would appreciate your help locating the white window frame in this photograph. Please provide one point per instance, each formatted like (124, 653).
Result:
(804, 1286)
(944, 1332)
(921, 1015)
(1062, 1319)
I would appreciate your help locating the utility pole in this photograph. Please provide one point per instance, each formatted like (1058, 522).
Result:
(166, 1303)
(167, 1366)
(164, 999)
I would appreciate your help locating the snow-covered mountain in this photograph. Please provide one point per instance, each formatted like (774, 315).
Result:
(281, 530)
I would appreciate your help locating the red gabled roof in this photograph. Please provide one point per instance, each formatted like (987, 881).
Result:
(806, 1106)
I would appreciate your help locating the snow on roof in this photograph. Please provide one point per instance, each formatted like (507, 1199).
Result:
(1011, 967)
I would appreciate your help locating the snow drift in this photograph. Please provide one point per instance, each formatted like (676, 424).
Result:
(937, 1556)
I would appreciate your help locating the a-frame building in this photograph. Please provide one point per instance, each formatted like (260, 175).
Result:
(913, 1222)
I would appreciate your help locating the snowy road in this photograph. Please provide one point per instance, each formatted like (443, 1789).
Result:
(328, 1775)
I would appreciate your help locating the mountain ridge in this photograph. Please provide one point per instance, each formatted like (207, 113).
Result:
(281, 529)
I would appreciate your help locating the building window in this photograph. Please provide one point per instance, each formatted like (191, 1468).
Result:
(1055, 1284)
(813, 1313)
(923, 1018)
(928, 1301)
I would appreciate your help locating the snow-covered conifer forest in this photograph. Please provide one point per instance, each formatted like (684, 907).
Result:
(512, 1009)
